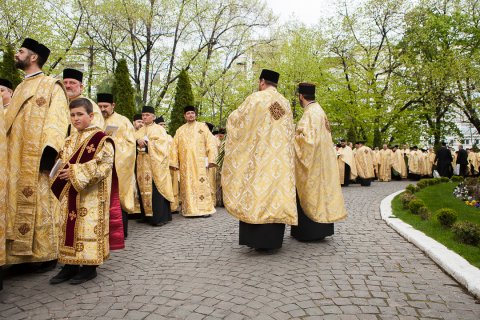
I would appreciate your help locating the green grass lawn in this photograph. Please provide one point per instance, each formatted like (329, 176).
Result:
(437, 197)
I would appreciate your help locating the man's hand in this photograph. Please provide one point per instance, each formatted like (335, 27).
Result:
(64, 174)
(142, 143)
(173, 168)
(212, 165)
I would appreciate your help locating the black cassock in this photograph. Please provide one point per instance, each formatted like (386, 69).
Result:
(444, 162)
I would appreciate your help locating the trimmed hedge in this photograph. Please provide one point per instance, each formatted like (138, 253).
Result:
(405, 198)
(446, 217)
(467, 232)
(424, 213)
(415, 205)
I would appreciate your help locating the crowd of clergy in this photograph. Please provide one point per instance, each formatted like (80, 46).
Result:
(362, 164)
(76, 171)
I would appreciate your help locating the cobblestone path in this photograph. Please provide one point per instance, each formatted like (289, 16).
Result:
(195, 269)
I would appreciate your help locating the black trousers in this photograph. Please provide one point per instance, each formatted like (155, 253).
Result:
(261, 236)
(365, 182)
(346, 178)
(160, 208)
(308, 230)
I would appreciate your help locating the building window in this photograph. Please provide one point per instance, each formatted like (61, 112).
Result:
(467, 141)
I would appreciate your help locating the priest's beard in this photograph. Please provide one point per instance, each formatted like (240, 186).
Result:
(23, 64)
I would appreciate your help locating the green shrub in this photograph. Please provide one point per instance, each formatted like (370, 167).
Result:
(446, 216)
(444, 179)
(457, 179)
(412, 188)
(436, 181)
(405, 199)
(467, 232)
(423, 183)
(424, 213)
(415, 205)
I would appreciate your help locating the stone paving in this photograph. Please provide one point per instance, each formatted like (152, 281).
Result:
(195, 269)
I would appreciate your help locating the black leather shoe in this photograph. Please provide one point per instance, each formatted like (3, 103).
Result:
(86, 273)
(67, 272)
(46, 266)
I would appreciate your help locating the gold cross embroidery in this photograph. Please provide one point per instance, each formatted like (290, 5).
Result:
(72, 215)
(90, 148)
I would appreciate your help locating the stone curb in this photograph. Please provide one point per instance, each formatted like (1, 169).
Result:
(449, 261)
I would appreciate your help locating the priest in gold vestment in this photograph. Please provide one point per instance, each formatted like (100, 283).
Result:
(6, 92)
(364, 162)
(3, 191)
(123, 134)
(36, 123)
(415, 164)
(399, 167)
(192, 155)
(153, 174)
(319, 195)
(175, 205)
(258, 172)
(385, 161)
(73, 82)
(346, 163)
(87, 186)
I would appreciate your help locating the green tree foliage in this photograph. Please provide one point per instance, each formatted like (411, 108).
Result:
(123, 92)
(183, 97)
(7, 67)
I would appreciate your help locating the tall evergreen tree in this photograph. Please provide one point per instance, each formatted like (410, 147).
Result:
(7, 67)
(183, 97)
(123, 91)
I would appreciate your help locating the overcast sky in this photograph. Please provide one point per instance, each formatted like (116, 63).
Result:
(309, 11)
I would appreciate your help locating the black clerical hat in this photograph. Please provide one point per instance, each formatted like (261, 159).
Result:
(73, 74)
(6, 83)
(269, 75)
(214, 132)
(306, 88)
(105, 97)
(361, 141)
(159, 120)
(136, 117)
(36, 47)
(189, 108)
(222, 131)
(148, 109)
(396, 146)
(415, 147)
(210, 126)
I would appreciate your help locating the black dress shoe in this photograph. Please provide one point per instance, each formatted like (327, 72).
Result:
(86, 273)
(67, 273)
(46, 266)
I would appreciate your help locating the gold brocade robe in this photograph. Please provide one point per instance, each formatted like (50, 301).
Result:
(193, 149)
(97, 121)
(385, 161)
(345, 156)
(92, 180)
(175, 185)
(316, 176)
(258, 173)
(3, 185)
(399, 164)
(212, 172)
(472, 162)
(376, 161)
(364, 162)
(414, 162)
(153, 165)
(124, 139)
(37, 117)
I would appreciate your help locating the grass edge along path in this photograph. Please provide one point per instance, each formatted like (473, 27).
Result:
(437, 197)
